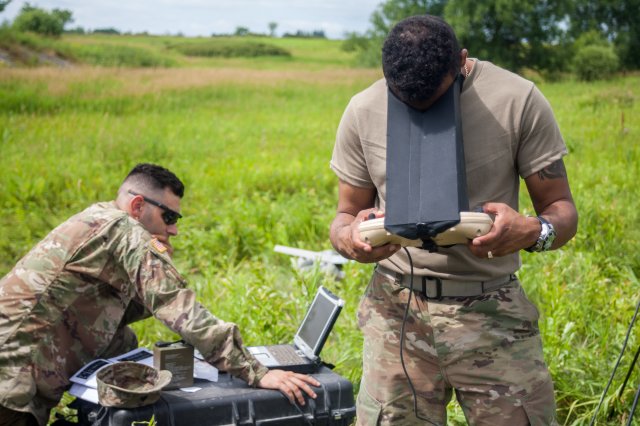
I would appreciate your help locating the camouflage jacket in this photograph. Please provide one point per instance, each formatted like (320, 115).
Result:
(65, 302)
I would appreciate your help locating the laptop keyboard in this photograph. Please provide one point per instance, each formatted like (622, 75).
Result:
(285, 355)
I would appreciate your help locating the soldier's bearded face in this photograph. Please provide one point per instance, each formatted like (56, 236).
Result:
(151, 217)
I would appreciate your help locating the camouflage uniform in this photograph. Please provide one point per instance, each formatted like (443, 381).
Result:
(450, 344)
(69, 300)
(487, 348)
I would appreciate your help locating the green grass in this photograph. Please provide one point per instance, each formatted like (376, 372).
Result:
(252, 144)
(235, 48)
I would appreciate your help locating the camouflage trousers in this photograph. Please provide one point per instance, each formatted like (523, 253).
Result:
(487, 349)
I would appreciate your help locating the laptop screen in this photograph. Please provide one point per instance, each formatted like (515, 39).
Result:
(318, 322)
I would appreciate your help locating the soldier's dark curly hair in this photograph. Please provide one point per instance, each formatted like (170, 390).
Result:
(156, 177)
(417, 55)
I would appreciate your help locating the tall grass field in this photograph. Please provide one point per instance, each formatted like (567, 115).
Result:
(252, 138)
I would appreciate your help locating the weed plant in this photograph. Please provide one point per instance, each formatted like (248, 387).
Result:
(253, 148)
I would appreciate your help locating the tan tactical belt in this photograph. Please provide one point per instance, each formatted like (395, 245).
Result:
(437, 288)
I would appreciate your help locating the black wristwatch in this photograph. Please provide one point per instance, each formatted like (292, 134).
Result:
(546, 237)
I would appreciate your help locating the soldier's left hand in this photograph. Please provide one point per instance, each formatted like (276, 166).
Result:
(510, 233)
(290, 384)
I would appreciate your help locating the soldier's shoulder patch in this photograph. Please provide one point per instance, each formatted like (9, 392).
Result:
(157, 246)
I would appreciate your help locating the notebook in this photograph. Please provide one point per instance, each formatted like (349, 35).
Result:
(303, 356)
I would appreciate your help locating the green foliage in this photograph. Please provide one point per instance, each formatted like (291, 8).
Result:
(229, 48)
(519, 34)
(272, 28)
(595, 63)
(241, 31)
(30, 49)
(76, 30)
(369, 45)
(306, 34)
(590, 38)
(3, 4)
(26, 48)
(40, 21)
(120, 55)
(514, 34)
(616, 20)
(108, 30)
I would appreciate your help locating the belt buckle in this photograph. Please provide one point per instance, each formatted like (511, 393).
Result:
(438, 282)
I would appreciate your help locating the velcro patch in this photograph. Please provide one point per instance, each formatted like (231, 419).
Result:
(157, 245)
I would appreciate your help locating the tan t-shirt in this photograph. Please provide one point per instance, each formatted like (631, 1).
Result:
(509, 131)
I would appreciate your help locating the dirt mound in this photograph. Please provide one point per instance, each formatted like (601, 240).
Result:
(16, 56)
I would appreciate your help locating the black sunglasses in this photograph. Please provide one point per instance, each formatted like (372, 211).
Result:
(170, 217)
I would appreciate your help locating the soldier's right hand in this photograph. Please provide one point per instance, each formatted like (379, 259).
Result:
(357, 249)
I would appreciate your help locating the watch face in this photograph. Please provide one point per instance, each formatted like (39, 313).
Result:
(548, 239)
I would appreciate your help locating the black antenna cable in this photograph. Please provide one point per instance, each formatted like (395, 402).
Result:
(404, 367)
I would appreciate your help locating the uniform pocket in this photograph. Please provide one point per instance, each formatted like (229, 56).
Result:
(368, 409)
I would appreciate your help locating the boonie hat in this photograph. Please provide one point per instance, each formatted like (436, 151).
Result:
(130, 384)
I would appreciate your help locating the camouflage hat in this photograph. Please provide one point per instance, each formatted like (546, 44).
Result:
(130, 384)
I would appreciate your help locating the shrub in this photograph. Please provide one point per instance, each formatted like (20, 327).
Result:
(230, 49)
(595, 63)
(39, 21)
(113, 55)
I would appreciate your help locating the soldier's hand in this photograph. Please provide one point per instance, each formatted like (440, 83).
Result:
(290, 384)
(361, 251)
(511, 232)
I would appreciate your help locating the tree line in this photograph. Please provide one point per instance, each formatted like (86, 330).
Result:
(549, 36)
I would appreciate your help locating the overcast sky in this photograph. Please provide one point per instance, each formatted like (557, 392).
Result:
(205, 17)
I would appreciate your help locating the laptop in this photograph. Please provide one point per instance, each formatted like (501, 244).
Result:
(303, 356)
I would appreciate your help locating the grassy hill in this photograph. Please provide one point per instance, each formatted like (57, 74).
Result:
(173, 51)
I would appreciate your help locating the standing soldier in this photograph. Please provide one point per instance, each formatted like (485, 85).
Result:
(484, 344)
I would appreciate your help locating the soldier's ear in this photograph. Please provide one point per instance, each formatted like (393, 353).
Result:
(464, 54)
(136, 206)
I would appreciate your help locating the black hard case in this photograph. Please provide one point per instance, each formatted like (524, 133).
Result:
(230, 401)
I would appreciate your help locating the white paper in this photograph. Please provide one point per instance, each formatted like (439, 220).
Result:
(83, 392)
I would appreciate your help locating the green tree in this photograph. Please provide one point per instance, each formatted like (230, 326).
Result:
(595, 62)
(3, 4)
(386, 15)
(242, 31)
(272, 28)
(616, 20)
(65, 16)
(41, 21)
(515, 33)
